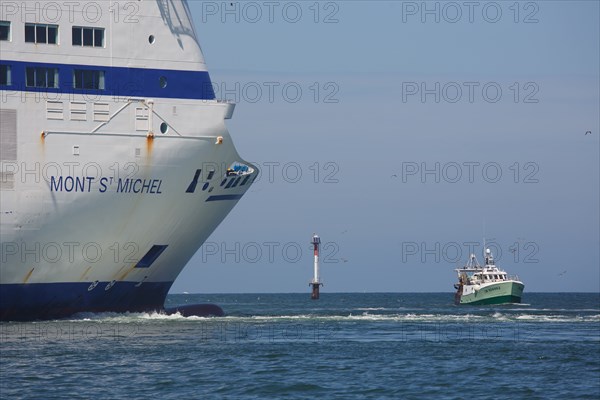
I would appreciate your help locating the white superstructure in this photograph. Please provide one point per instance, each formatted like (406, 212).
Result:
(116, 164)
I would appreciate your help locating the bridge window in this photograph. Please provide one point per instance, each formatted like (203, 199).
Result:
(4, 30)
(41, 77)
(88, 36)
(41, 33)
(88, 79)
(5, 75)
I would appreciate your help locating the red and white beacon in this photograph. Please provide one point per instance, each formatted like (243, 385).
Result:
(315, 283)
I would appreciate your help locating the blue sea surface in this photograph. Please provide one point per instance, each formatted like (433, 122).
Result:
(343, 346)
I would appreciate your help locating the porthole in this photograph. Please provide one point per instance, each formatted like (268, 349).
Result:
(163, 81)
(151, 39)
(164, 128)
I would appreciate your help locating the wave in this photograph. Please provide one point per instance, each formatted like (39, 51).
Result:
(557, 318)
(362, 317)
(129, 317)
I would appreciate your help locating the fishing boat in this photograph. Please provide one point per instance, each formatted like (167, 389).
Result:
(486, 284)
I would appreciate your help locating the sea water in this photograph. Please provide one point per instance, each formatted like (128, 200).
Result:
(345, 345)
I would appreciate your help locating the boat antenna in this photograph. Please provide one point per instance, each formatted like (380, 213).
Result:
(483, 255)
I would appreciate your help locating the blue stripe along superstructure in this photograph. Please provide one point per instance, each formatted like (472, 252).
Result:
(119, 81)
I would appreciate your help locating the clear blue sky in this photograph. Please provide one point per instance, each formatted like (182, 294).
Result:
(516, 93)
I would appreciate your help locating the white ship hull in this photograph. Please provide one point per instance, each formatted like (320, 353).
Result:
(105, 198)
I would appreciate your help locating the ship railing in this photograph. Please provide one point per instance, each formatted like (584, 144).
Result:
(217, 139)
(150, 105)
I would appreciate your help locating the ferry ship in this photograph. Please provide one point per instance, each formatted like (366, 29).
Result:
(486, 284)
(116, 163)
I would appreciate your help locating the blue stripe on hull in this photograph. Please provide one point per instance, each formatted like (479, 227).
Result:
(57, 300)
(220, 197)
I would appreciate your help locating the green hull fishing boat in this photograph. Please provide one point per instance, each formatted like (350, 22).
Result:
(486, 284)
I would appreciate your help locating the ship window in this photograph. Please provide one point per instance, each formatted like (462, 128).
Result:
(88, 36)
(151, 39)
(41, 77)
(4, 30)
(41, 33)
(163, 82)
(88, 79)
(5, 75)
(164, 128)
(211, 173)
